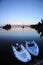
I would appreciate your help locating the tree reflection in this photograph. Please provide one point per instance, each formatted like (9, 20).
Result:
(7, 27)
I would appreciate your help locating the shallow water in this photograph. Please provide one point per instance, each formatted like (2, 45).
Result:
(19, 35)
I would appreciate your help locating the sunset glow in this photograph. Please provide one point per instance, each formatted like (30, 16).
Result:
(21, 11)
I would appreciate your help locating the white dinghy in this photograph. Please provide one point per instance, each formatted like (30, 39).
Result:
(32, 47)
(22, 55)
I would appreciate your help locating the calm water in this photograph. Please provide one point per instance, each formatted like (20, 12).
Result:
(18, 34)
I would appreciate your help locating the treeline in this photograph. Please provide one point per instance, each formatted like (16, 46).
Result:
(39, 25)
(7, 27)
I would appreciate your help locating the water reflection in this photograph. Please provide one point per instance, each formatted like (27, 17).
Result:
(7, 28)
(40, 31)
(20, 28)
(19, 33)
(25, 29)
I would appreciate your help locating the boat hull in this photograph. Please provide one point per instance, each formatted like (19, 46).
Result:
(23, 55)
(33, 50)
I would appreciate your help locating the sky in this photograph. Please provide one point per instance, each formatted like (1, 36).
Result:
(21, 11)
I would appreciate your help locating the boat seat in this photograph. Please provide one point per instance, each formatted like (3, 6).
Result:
(30, 45)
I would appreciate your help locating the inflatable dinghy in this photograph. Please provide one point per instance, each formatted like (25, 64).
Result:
(32, 47)
(21, 54)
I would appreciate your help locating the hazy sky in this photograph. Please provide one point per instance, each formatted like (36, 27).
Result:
(20, 11)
